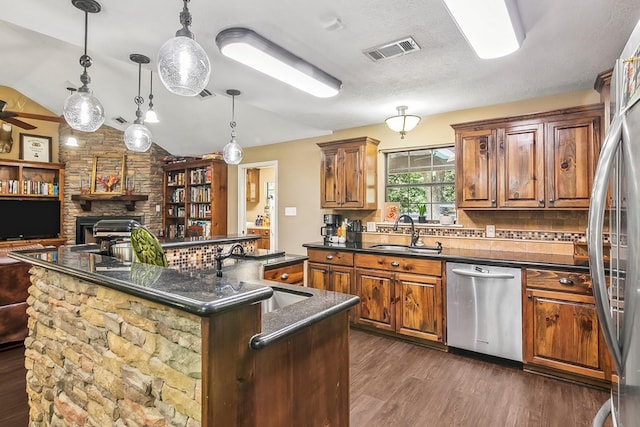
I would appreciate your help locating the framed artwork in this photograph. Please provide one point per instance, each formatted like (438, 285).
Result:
(35, 148)
(107, 175)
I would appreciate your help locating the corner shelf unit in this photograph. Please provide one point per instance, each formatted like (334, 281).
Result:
(195, 198)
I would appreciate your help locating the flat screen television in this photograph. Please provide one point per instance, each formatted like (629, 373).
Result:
(24, 219)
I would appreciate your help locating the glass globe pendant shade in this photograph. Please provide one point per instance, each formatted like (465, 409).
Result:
(137, 137)
(183, 66)
(83, 111)
(232, 152)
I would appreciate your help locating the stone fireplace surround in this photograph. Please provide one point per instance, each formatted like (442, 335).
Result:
(78, 161)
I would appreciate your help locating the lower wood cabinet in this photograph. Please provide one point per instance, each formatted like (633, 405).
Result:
(264, 242)
(561, 328)
(409, 304)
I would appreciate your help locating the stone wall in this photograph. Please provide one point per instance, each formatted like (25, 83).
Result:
(145, 168)
(99, 357)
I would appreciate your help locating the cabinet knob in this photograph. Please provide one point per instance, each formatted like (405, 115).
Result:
(329, 257)
(529, 296)
(395, 264)
(493, 202)
(551, 200)
(541, 202)
(284, 276)
(566, 281)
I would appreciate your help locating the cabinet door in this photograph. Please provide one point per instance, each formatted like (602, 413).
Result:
(342, 279)
(572, 149)
(420, 312)
(476, 169)
(377, 300)
(521, 166)
(330, 186)
(562, 332)
(318, 276)
(351, 168)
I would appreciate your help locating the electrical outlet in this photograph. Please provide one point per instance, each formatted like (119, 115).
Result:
(157, 208)
(490, 231)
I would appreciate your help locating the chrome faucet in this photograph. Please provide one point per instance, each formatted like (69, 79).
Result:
(414, 234)
(219, 257)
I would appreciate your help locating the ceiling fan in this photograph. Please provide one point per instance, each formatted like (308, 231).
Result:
(10, 117)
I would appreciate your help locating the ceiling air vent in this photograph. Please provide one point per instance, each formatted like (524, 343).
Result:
(120, 120)
(392, 49)
(206, 94)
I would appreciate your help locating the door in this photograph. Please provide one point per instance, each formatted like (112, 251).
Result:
(258, 202)
(521, 166)
(476, 161)
(420, 313)
(573, 145)
(377, 303)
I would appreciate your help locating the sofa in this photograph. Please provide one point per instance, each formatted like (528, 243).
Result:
(14, 285)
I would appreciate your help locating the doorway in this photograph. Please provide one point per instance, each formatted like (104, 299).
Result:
(258, 202)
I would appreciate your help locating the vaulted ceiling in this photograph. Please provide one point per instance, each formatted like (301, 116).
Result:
(568, 42)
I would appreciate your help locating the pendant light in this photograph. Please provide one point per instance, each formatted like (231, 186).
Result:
(402, 123)
(137, 136)
(232, 152)
(82, 110)
(151, 116)
(183, 64)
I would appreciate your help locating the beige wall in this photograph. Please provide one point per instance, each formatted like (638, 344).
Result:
(20, 103)
(299, 162)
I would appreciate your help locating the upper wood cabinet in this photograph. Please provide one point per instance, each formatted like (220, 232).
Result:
(253, 185)
(543, 160)
(475, 155)
(348, 174)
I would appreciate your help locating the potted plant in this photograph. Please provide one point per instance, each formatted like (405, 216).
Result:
(421, 211)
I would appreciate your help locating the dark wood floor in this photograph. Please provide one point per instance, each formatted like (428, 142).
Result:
(394, 383)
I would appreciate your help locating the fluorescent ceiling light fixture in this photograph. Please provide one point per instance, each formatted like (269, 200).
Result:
(491, 27)
(251, 49)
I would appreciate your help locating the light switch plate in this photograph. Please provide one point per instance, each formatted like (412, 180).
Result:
(490, 231)
(290, 211)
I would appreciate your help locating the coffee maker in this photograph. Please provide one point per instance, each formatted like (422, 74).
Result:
(331, 224)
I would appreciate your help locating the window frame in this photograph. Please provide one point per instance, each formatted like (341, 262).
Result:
(428, 187)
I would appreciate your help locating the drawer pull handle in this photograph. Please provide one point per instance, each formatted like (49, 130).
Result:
(329, 257)
(284, 276)
(566, 281)
(395, 264)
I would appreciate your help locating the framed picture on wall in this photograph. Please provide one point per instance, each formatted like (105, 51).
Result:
(35, 148)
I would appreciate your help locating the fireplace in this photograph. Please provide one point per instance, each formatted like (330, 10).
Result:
(84, 226)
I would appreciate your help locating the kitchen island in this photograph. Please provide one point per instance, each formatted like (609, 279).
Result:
(112, 343)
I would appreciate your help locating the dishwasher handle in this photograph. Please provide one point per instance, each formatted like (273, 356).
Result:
(483, 275)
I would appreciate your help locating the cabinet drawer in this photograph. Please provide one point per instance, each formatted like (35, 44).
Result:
(556, 280)
(292, 274)
(403, 265)
(330, 257)
(258, 231)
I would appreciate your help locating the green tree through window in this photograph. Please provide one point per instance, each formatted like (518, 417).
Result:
(422, 177)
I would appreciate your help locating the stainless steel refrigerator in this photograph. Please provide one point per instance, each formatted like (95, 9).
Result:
(616, 287)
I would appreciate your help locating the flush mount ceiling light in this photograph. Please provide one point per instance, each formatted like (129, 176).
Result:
(251, 49)
(491, 27)
(402, 123)
(82, 110)
(183, 64)
(137, 137)
(232, 153)
(151, 116)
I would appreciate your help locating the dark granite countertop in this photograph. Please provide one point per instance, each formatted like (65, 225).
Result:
(199, 292)
(479, 256)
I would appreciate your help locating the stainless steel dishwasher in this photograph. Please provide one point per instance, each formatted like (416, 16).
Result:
(484, 309)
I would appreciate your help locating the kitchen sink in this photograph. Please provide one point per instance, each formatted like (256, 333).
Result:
(410, 249)
(282, 298)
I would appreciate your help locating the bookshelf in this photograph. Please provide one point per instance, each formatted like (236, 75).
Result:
(195, 198)
(22, 185)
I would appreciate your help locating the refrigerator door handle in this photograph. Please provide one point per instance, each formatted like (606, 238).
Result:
(594, 237)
